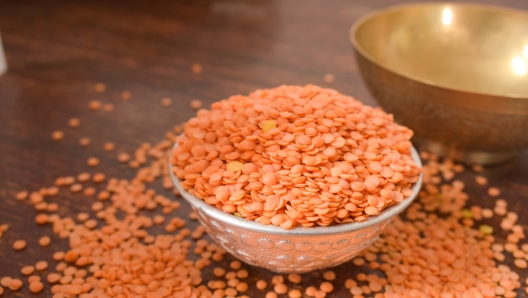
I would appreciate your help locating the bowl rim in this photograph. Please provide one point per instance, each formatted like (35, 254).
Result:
(221, 216)
(402, 7)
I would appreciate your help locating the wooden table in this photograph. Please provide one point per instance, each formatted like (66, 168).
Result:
(58, 50)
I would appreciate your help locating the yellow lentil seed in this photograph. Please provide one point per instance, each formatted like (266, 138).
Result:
(235, 166)
(268, 125)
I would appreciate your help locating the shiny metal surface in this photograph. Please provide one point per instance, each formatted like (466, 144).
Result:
(454, 73)
(297, 250)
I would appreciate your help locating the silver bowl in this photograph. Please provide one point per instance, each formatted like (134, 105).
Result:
(297, 250)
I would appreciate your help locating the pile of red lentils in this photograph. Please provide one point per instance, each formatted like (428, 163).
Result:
(439, 247)
(296, 156)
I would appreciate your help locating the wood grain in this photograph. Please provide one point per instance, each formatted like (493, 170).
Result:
(58, 50)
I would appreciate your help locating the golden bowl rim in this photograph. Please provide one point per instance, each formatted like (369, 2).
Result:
(401, 7)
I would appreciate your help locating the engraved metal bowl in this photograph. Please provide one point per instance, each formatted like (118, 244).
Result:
(296, 250)
(456, 74)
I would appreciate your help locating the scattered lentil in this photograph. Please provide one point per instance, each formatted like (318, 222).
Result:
(100, 87)
(326, 287)
(27, 270)
(74, 122)
(166, 102)
(108, 107)
(109, 146)
(328, 78)
(19, 244)
(125, 95)
(41, 265)
(329, 275)
(44, 241)
(22, 195)
(57, 135)
(92, 161)
(36, 287)
(94, 105)
(196, 68)
(261, 284)
(15, 284)
(294, 278)
(84, 142)
(493, 191)
(123, 157)
(196, 104)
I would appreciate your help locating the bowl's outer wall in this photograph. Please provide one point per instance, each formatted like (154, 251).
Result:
(288, 254)
(452, 117)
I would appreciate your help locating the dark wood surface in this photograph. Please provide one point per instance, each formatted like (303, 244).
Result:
(58, 50)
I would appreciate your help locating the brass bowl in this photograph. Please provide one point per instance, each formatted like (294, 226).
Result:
(457, 74)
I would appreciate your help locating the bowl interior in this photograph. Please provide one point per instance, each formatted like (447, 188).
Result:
(472, 48)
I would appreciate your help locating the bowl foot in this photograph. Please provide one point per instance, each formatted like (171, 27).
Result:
(467, 157)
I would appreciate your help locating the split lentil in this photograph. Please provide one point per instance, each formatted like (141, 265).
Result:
(125, 95)
(196, 68)
(328, 78)
(108, 107)
(57, 135)
(196, 104)
(74, 122)
(166, 102)
(100, 87)
(84, 142)
(109, 146)
(19, 244)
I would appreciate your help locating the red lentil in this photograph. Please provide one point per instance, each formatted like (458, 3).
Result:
(22, 195)
(19, 244)
(166, 102)
(41, 265)
(109, 146)
(92, 161)
(94, 105)
(294, 278)
(329, 275)
(196, 68)
(196, 104)
(74, 122)
(84, 142)
(261, 284)
(100, 87)
(27, 270)
(326, 287)
(265, 154)
(57, 135)
(36, 287)
(328, 78)
(15, 284)
(108, 107)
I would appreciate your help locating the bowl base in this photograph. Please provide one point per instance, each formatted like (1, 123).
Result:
(484, 158)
